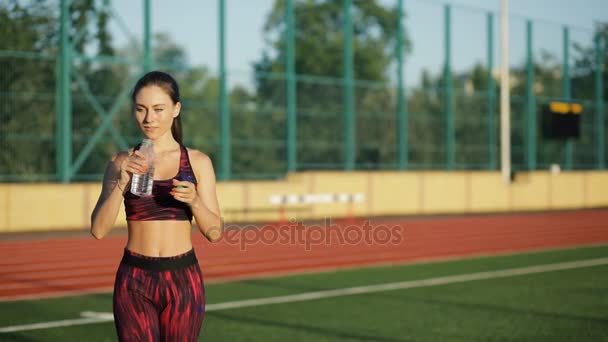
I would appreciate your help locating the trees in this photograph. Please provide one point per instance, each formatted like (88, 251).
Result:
(583, 86)
(319, 64)
(27, 88)
(29, 36)
(471, 116)
(584, 67)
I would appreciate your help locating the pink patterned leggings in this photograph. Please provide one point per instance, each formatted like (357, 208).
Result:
(158, 298)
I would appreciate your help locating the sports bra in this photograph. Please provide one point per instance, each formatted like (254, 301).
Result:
(161, 205)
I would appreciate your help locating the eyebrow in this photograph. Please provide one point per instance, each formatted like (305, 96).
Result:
(154, 105)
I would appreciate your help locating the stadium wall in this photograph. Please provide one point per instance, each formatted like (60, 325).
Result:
(50, 206)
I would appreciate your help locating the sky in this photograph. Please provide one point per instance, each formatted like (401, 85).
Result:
(193, 25)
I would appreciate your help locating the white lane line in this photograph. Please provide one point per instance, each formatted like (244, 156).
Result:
(89, 317)
(407, 284)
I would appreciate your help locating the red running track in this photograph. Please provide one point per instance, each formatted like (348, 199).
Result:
(65, 266)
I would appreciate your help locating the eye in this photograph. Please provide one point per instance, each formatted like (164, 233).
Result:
(158, 110)
(139, 110)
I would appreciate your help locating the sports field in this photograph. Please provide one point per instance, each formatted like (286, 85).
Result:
(563, 298)
(536, 294)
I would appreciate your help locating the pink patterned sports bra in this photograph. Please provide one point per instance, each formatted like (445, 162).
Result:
(161, 205)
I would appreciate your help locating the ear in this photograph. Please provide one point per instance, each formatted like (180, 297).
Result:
(177, 109)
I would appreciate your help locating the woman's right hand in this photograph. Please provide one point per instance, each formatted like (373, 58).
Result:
(135, 162)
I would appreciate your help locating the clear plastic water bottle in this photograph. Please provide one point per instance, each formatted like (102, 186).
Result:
(141, 184)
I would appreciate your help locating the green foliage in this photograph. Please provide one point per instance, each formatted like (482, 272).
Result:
(583, 87)
(27, 84)
(584, 68)
(426, 105)
(29, 40)
(319, 64)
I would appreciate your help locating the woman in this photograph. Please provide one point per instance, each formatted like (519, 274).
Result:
(159, 293)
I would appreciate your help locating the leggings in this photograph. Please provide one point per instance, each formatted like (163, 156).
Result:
(158, 298)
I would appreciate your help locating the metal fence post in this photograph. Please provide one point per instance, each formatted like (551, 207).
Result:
(147, 37)
(348, 90)
(491, 96)
(402, 128)
(448, 94)
(225, 172)
(567, 92)
(530, 100)
(599, 103)
(291, 88)
(64, 105)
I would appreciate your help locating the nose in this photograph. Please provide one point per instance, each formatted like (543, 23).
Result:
(147, 117)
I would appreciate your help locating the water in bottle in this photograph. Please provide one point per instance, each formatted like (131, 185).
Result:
(141, 184)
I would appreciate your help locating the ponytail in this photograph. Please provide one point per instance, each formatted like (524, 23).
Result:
(176, 129)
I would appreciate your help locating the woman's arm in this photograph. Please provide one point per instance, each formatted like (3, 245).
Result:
(105, 212)
(202, 199)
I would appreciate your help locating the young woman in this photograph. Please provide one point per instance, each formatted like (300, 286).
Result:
(159, 293)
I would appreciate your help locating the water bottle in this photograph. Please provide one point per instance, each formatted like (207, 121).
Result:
(141, 184)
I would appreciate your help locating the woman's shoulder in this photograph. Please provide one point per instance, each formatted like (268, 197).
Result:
(199, 158)
(120, 156)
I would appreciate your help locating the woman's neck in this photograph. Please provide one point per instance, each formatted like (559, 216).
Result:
(165, 143)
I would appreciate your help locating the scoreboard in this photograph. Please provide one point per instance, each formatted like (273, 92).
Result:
(561, 119)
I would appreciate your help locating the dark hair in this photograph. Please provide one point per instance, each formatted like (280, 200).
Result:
(169, 85)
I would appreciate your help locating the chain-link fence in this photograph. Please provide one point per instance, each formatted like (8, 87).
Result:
(339, 85)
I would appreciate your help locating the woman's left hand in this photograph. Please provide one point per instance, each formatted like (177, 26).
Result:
(184, 191)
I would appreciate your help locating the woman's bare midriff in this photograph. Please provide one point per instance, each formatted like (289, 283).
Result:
(159, 238)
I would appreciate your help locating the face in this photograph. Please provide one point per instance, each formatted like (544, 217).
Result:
(155, 111)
